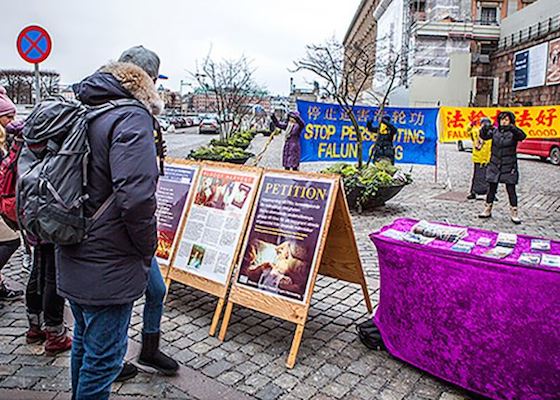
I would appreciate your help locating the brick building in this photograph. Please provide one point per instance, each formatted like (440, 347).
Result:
(535, 26)
(446, 45)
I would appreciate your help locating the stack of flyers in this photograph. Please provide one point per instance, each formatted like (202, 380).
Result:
(550, 260)
(441, 232)
(499, 252)
(393, 234)
(529, 259)
(484, 242)
(463, 247)
(506, 240)
(414, 238)
(540, 245)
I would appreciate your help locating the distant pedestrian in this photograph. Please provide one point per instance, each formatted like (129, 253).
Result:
(104, 274)
(503, 166)
(9, 239)
(383, 147)
(480, 158)
(292, 148)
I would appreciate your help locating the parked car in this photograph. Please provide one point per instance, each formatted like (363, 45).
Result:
(164, 123)
(543, 148)
(209, 125)
(178, 122)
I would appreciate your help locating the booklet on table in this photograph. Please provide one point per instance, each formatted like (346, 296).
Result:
(529, 259)
(550, 260)
(540, 245)
(499, 252)
(506, 240)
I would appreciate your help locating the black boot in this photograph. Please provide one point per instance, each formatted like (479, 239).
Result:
(128, 371)
(150, 356)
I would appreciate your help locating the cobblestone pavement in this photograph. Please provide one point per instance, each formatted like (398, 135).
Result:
(332, 363)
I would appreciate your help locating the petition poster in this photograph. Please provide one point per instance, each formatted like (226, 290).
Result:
(172, 195)
(282, 248)
(215, 223)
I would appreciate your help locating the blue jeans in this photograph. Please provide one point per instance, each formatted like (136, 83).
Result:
(98, 348)
(155, 293)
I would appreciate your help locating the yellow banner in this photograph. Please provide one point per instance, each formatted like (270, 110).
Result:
(536, 122)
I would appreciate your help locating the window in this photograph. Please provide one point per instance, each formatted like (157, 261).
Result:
(487, 48)
(507, 77)
(488, 15)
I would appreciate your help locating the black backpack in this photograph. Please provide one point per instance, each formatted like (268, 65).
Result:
(52, 170)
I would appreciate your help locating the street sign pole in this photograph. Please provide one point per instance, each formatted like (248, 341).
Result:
(37, 84)
(34, 45)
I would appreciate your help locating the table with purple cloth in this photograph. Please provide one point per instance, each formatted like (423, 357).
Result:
(489, 326)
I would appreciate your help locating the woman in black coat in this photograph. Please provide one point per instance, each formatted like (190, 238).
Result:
(503, 161)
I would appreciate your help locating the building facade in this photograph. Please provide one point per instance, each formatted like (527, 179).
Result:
(529, 40)
(444, 44)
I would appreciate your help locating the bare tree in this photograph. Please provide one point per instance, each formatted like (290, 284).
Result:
(19, 84)
(347, 75)
(232, 84)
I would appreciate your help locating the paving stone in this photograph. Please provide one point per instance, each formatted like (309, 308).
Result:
(8, 370)
(217, 354)
(246, 368)
(257, 380)
(142, 389)
(184, 356)
(286, 381)
(329, 370)
(40, 372)
(19, 382)
(230, 377)
(304, 391)
(451, 396)
(388, 394)
(270, 392)
(6, 358)
(216, 368)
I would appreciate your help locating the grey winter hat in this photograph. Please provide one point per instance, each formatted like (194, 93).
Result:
(144, 58)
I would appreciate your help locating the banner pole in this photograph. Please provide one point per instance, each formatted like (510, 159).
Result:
(436, 168)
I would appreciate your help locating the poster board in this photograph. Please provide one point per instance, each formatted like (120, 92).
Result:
(287, 245)
(213, 229)
(174, 194)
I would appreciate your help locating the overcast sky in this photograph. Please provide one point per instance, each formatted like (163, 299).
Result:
(86, 34)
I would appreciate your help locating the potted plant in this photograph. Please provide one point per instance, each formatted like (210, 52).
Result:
(371, 186)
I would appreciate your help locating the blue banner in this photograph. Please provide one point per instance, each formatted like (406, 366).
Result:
(329, 135)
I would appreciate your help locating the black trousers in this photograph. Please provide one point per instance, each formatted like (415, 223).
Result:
(7, 249)
(510, 188)
(40, 294)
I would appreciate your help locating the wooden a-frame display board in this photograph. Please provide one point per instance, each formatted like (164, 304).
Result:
(174, 162)
(337, 257)
(194, 280)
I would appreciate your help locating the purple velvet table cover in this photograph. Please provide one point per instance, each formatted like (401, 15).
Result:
(489, 326)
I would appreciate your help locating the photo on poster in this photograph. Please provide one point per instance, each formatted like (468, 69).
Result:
(214, 226)
(282, 247)
(196, 257)
(172, 195)
(221, 193)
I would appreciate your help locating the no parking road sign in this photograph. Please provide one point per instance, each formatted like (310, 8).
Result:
(34, 44)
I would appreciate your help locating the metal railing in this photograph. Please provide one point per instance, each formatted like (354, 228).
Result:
(535, 31)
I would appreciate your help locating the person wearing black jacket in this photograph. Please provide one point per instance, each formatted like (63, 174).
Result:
(503, 166)
(104, 274)
(383, 147)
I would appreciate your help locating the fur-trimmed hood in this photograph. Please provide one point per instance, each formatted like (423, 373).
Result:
(117, 80)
